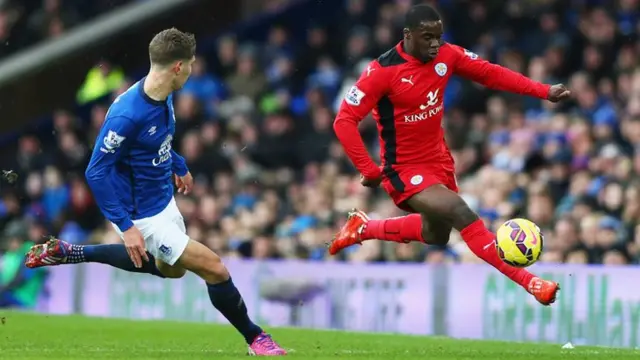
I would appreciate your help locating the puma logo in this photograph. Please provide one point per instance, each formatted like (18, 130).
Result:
(409, 80)
(369, 70)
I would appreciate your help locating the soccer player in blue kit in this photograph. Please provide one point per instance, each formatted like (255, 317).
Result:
(130, 174)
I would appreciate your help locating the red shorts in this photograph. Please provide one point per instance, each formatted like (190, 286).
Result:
(405, 181)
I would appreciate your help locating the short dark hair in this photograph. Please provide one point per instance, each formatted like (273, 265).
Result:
(419, 14)
(171, 45)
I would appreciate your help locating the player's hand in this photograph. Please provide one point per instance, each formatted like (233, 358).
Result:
(371, 183)
(558, 92)
(134, 242)
(184, 183)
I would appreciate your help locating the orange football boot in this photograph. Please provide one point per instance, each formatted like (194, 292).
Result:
(350, 232)
(544, 291)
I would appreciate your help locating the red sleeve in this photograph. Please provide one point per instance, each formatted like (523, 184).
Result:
(356, 105)
(470, 66)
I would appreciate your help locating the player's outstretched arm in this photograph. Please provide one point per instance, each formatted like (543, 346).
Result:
(111, 145)
(472, 67)
(357, 104)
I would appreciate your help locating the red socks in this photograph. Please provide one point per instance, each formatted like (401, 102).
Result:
(408, 228)
(481, 242)
(401, 229)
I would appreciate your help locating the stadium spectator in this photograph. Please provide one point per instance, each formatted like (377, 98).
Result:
(103, 79)
(25, 23)
(20, 287)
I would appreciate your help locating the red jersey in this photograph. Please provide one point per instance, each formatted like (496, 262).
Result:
(406, 97)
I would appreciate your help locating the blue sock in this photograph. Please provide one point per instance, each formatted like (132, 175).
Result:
(227, 299)
(111, 254)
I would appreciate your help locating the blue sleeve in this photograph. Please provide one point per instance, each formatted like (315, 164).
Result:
(111, 145)
(178, 164)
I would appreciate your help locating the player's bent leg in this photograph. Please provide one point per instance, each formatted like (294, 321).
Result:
(448, 206)
(453, 209)
(202, 261)
(423, 227)
(359, 228)
(226, 298)
(58, 252)
(170, 271)
(402, 229)
(435, 231)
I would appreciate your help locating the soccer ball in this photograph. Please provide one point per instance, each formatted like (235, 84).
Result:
(519, 242)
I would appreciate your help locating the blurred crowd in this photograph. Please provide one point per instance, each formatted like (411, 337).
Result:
(27, 22)
(255, 125)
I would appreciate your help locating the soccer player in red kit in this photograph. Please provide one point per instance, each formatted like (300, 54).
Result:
(404, 88)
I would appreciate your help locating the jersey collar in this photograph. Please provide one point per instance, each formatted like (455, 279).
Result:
(146, 97)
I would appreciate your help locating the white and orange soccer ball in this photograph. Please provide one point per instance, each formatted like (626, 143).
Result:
(519, 242)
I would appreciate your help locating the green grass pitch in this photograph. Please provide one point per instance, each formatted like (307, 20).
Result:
(44, 337)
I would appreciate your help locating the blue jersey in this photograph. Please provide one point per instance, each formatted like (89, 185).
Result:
(130, 172)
